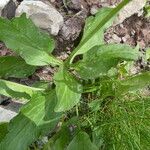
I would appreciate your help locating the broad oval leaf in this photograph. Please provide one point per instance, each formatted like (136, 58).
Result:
(12, 66)
(22, 131)
(16, 90)
(102, 58)
(36, 119)
(23, 37)
(40, 102)
(81, 142)
(68, 95)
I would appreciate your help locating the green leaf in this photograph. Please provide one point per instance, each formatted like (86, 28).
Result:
(3, 130)
(90, 24)
(68, 95)
(95, 105)
(23, 37)
(25, 128)
(39, 102)
(16, 90)
(63, 140)
(21, 134)
(64, 136)
(96, 28)
(59, 141)
(82, 142)
(16, 67)
(99, 60)
(147, 9)
(31, 109)
(134, 83)
(148, 54)
(42, 84)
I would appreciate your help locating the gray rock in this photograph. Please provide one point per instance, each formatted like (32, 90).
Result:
(71, 29)
(73, 26)
(10, 111)
(3, 98)
(43, 14)
(6, 115)
(3, 3)
(9, 9)
(134, 7)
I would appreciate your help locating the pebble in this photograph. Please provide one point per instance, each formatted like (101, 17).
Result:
(43, 14)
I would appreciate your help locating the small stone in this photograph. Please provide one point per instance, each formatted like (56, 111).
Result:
(63, 56)
(134, 70)
(124, 39)
(114, 39)
(94, 9)
(43, 14)
(52, 1)
(78, 5)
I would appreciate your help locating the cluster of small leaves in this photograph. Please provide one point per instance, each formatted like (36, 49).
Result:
(89, 88)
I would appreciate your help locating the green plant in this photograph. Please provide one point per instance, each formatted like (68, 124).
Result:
(147, 9)
(89, 105)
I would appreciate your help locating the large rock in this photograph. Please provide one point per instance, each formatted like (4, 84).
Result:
(10, 111)
(9, 9)
(3, 3)
(43, 14)
(6, 115)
